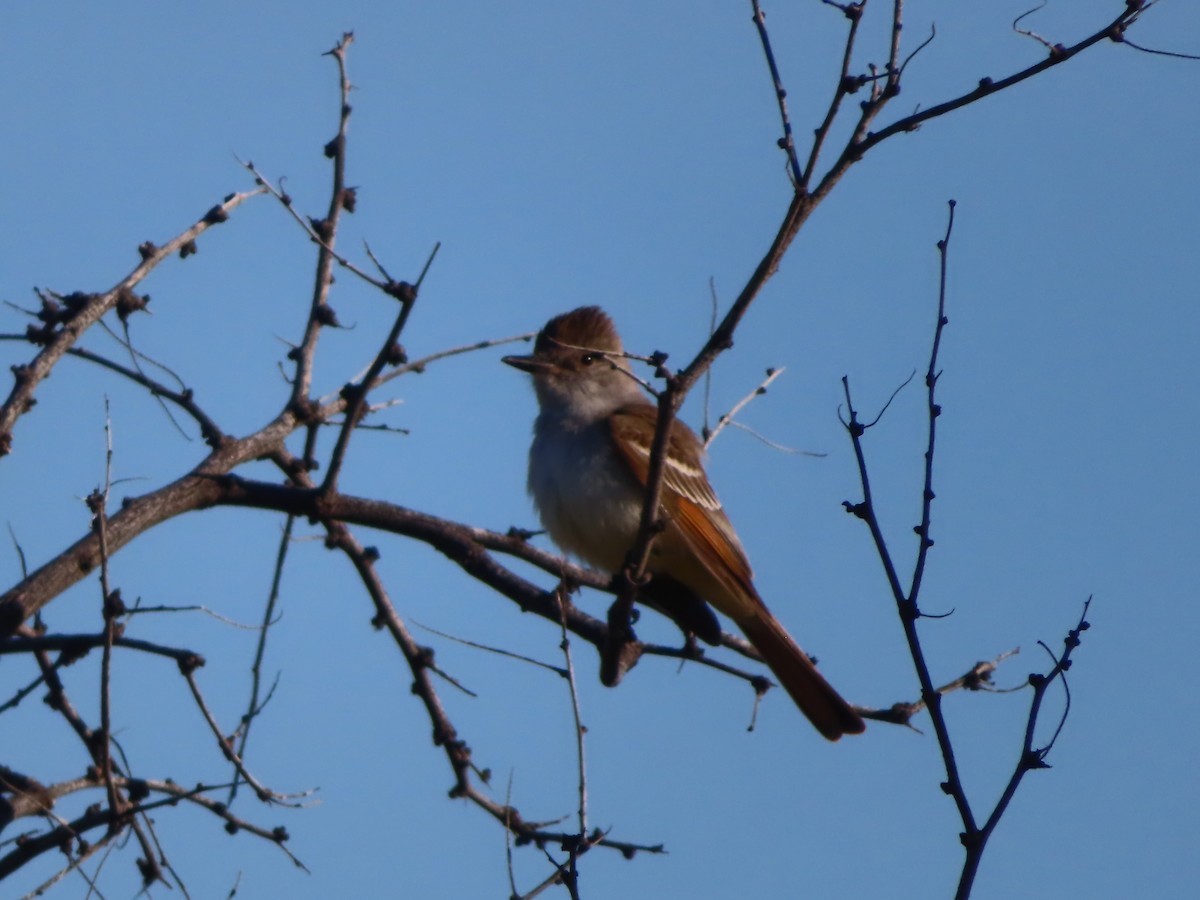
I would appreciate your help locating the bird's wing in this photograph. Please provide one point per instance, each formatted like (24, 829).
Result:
(696, 518)
(688, 498)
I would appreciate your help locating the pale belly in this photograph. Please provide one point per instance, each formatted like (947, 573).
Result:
(591, 505)
(588, 502)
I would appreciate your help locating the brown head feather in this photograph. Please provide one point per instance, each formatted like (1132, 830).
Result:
(588, 326)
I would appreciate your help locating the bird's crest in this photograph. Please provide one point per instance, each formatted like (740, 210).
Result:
(588, 327)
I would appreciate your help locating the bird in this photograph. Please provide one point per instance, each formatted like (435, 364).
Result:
(588, 467)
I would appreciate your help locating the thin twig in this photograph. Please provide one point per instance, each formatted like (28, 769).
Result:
(320, 313)
(786, 143)
(572, 867)
(1029, 758)
(253, 706)
(57, 342)
(97, 816)
(1114, 31)
(508, 836)
(580, 730)
(356, 395)
(907, 604)
(317, 237)
(775, 445)
(932, 375)
(109, 608)
(1171, 53)
(20, 551)
(1032, 34)
(845, 85)
(712, 326)
(263, 793)
(557, 670)
(976, 678)
(727, 419)
(419, 365)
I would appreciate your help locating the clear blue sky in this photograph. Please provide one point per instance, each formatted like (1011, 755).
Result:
(623, 154)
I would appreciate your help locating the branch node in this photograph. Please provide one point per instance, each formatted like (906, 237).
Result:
(325, 315)
(216, 215)
(1034, 759)
(190, 663)
(398, 356)
(128, 303)
(859, 510)
(114, 606)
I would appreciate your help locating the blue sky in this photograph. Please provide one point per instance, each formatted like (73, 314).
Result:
(624, 155)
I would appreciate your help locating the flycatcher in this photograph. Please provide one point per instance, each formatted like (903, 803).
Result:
(588, 467)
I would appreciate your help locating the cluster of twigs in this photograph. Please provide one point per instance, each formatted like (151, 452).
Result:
(213, 481)
(974, 836)
(811, 186)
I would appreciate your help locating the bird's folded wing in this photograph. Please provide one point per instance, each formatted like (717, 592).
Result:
(689, 501)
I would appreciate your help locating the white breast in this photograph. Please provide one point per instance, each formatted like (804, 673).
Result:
(586, 498)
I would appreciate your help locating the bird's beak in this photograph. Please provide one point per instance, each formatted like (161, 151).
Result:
(534, 365)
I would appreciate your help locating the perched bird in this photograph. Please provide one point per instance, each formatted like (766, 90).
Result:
(588, 467)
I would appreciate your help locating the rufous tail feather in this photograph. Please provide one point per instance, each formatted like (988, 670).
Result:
(816, 698)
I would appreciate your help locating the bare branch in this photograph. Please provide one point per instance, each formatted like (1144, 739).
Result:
(57, 341)
(786, 143)
(254, 704)
(264, 794)
(772, 374)
(320, 312)
(1114, 31)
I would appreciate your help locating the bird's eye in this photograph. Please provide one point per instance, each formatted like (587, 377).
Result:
(588, 358)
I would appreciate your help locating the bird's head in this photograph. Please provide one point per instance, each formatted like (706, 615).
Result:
(578, 365)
